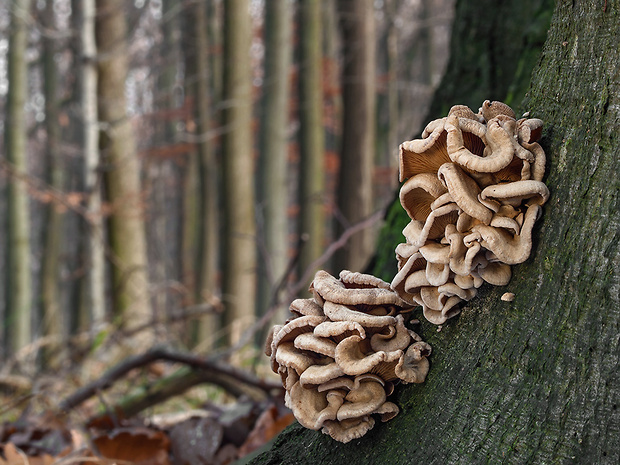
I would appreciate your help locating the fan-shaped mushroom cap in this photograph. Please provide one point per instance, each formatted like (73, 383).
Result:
(413, 367)
(313, 343)
(495, 273)
(307, 405)
(319, 374)
(287, 355)
(347, 430)
(464, 191)
(491, 109)
(540, 160)
(387, 411)
(363, 399)
(507, 248)
(397, 338)
(423, 155)
(529, 130)
(462, 111)
(306, 307)
(355, 280)
(333, 290)
(353, 361)
(338, 312)
(339, 328)
(418, 193)
(295, 327)
(535, 192)
(499, 145)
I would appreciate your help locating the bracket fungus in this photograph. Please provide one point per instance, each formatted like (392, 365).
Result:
(342, 351)
(478, 220)
(473, 190)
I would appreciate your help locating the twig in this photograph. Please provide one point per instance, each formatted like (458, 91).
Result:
(155, 354)
(293, 291)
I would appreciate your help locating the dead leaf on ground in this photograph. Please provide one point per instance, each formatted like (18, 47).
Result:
(268, 425)
(141, 446)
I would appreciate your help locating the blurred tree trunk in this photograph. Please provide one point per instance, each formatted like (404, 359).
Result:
(122, 176)
(93, 285)
(534, 380)
(273, 165)
(239, 277)
(201, 216)
(19, 286)
(53, 324)
(311, 135)
(355, 192)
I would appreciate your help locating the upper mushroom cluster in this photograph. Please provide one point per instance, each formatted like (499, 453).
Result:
(342, 351)
(473, 192)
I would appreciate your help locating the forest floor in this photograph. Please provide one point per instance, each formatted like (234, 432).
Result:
(58, 418)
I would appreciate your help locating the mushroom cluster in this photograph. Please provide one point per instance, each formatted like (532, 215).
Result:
(473, 192)
(342, 351)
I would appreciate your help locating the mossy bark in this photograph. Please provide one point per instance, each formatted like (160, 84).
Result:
(535, 380)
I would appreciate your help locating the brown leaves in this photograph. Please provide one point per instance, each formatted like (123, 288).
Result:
(218, 436)
(141, 446)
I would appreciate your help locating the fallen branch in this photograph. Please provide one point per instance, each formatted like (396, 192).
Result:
(234, 380)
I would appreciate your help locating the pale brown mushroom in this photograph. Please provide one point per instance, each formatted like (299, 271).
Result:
(364, 399)
(499, 147)
(413, 367)
(305, 307)
(347, 430)
(491, 109)
(354, 361)
(335, 291)
(464, 191)
(418, 193)
(425, 155)
(339, 312)
(507, 248)
(318, 373)
(397, 338)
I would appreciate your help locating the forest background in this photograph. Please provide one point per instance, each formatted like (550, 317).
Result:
(172, 173)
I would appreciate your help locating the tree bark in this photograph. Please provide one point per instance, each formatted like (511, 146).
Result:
(273, 180)
(201, 217)
(239, 280)
(19, 286)
(535, 380)
(355, 193)
(123, 185)
(93, 301)
(52, 317)
(311, 135)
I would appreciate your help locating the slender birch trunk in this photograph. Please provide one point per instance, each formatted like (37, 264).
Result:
(273, 179)
(19, 286)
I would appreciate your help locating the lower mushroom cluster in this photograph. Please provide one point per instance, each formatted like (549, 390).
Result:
(473, 192)
(343, 350)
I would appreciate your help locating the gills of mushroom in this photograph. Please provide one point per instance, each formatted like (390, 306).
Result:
(423, 155)
(418, 193)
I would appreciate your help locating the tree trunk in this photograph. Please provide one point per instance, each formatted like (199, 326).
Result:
(273, 181)
(201, 216)
(52, 318)
(19, 285)
(93, 302)
(355, 193)
(127, 228)
(311, 135)
(535, 380)
(239, 280)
